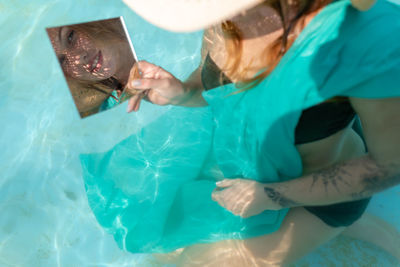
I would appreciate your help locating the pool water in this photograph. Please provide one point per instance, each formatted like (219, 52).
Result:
(45, 217)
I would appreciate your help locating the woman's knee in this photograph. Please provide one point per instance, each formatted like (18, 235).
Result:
(301, 233)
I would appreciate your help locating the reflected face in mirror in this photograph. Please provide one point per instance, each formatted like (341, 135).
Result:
(83, 56)
(96, 59)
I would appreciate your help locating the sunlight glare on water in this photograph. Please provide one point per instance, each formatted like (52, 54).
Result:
(45, 218)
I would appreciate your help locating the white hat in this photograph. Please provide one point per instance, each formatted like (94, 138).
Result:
(188, 15)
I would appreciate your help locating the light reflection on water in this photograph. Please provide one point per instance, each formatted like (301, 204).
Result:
(45, 218)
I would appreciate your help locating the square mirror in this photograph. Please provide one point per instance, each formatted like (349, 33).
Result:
(96, 59)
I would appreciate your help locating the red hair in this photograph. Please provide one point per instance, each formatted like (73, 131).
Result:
(273, 52)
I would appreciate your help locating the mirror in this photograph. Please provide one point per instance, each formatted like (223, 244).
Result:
(96, 59)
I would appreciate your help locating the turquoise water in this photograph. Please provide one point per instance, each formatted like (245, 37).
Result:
(45, 218)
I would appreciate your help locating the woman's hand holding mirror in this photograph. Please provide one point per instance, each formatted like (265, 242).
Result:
(154, 84)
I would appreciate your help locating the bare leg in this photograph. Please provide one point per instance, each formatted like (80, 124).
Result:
(374, 230)
(168, 258)
(300, 233)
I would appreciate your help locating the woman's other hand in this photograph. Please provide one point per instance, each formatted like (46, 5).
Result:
(155, 84)
(243, 197)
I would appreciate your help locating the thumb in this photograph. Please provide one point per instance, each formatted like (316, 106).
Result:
(225, 183)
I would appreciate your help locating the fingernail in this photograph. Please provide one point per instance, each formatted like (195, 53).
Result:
(129, 108)
(136, 83)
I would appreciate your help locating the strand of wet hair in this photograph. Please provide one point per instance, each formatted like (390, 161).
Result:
(113, 83)
(286, 30)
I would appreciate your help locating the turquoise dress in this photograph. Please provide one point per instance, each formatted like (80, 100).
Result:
(152, 191)
(110, 102)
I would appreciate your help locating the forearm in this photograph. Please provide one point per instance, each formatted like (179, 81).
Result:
(193, 87)
(351, 180)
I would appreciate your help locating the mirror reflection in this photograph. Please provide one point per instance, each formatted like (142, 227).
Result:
(96, 59)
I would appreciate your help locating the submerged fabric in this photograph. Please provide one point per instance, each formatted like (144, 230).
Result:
(315, 123)
(153, 190)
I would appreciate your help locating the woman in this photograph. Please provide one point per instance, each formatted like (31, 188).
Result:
(96, 71)
(339, 176)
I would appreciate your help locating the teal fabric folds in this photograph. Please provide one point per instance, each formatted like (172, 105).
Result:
(341, 52)
(153, 190)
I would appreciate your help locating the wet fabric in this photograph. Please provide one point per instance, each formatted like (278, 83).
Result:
(315, 123)
(153, 190)
(110, 102)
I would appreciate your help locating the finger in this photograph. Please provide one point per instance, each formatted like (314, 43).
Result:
(231, 198)
(240, 207)
(222, 199)
(216, 189)
(226, 182)
(143, 84)
(235, 200)
(233, 208)
(224, 202)
(149, 70)
(145, 66)
(134, 73)
(132, 103)
(217, 197)
(237, 210)
(245, 215)
(214, 196)
(137, 104)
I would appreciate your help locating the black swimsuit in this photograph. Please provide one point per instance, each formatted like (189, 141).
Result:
(315, 123)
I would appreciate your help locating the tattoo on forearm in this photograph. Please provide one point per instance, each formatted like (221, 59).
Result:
(331, 177)
(364, 173)
(280, 199)
(377, 178)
